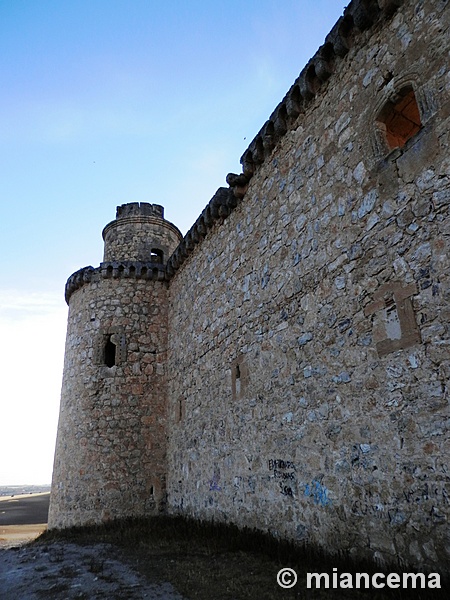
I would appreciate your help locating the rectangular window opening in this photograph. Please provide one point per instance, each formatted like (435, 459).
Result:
(110, 352)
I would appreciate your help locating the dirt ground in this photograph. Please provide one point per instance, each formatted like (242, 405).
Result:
(161, 558)
(61, 570)
(67, 571)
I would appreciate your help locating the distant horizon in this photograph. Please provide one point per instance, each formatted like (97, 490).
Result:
(24, 485)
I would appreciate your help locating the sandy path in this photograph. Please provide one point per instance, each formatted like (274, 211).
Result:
(22, 518)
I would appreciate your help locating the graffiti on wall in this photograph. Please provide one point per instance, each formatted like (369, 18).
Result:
(318, 492)
(284, 473)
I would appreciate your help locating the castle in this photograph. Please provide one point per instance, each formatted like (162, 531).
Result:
(285, 365)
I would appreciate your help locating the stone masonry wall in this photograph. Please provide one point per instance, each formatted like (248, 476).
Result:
(138, 231)
(110, 458)
(309, 331)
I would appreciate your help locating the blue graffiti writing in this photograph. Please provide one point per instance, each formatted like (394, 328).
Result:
(318, 492)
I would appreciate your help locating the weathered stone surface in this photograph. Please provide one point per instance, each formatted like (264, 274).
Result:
(140, 233)
(110, 458)
(288, 367)
(341, 435)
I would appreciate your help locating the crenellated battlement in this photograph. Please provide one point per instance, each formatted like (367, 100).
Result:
(140, 233)
(359, 16)
(140, 209)
(125, 269)
(218, 208)
(137, 245)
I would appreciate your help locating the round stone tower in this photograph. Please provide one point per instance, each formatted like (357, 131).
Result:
(110, 458)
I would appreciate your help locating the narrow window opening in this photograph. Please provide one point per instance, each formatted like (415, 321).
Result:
(110, 352)
(179, 413)
(151, 491)
(156, 255)
(238, 380)
(400, 118)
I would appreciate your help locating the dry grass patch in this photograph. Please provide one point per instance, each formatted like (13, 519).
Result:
(206, 561)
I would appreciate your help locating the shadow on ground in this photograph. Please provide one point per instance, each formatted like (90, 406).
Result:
(172, 558)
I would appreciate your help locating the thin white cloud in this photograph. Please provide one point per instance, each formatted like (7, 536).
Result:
(22, 305)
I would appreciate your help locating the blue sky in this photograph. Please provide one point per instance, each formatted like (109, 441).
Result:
(104, 102)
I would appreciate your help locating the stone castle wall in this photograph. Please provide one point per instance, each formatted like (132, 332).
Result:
(309, 329)
(110, 458)
(285, 366)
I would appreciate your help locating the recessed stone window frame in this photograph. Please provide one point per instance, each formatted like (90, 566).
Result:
(401, 112)
(395, 326)
(399, 118)
(110, 351)
(110, 347)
